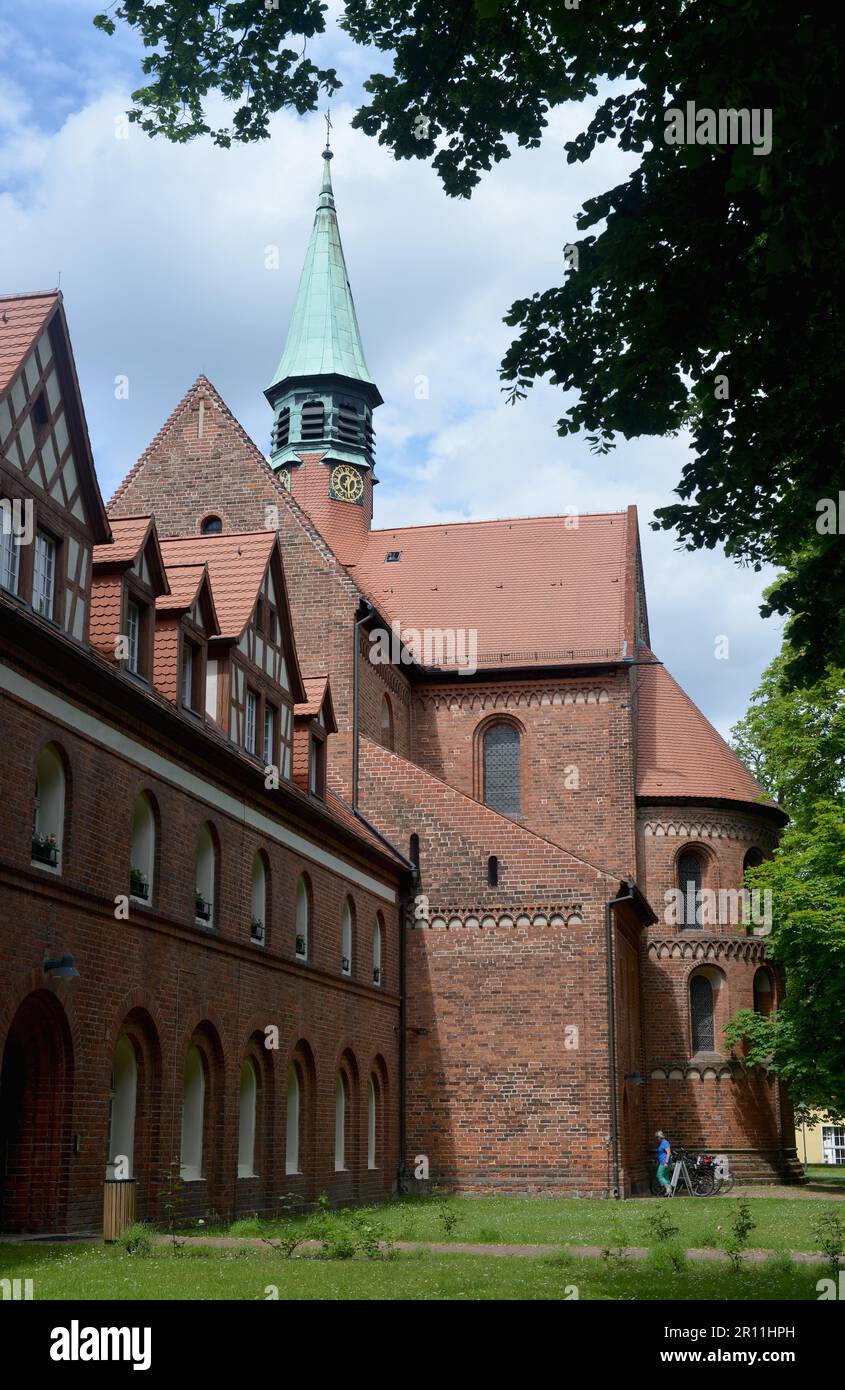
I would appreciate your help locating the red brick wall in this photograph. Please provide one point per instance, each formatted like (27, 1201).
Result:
(173, 983)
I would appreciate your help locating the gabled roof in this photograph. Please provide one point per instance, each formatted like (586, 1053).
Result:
(187, 582)
(23, 319)
(537, 590)
(236, 565)
(318, 696)
(324, 338)
(131, 535)
(679, 753)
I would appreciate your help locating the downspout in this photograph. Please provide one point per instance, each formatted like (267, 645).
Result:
(406, 907)
(611, 1031)
(355, 686)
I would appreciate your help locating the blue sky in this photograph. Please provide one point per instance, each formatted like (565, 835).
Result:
(162, 253)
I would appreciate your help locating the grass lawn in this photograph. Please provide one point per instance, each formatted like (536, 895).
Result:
(833, 1173)
(100, 1272)
(782, 1224)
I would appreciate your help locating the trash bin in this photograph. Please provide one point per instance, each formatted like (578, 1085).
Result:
(118, 1206)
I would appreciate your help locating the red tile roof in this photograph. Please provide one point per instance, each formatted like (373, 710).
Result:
(184, 581)
(23, 318)
(342, 812)
(315, 689)
(236, 565)
(129, 533)
(679, 753)
(537, 590)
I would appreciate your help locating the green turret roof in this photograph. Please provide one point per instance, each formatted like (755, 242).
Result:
(324, 338)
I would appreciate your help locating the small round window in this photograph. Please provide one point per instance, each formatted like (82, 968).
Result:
(211, 526)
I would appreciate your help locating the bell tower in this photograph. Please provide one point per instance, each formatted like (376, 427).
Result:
(323, 397)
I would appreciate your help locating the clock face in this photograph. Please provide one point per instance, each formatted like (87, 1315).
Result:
(347, 485)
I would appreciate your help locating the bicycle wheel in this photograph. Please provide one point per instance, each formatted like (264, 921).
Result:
(724, 1185)
(703, 1182)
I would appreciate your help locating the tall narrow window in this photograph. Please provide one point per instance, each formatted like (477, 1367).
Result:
(764, 996)
(317, 767)
(246, 1120)
(371, 1125)
(133, 636)
(340, 1108)
(142, 853)
(502, 770)
(493, 871)
(303, 918)
(251, 720)
(269, 746)
(124, 1088)
(10, 551)
(206, 875)
(292, 1144)
(377, 976)
(259, 899)
(689, 882)
(387, 722)
(48, 818)
(193, 1116)
(188, 675)
(701, 1013)
(44, 576)
(346, 937)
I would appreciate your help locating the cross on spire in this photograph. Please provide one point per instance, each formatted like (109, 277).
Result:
(328, 120)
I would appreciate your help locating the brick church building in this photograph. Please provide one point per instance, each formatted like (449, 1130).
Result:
(327, 849)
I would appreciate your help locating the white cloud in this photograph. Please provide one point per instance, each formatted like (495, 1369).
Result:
(161, 251)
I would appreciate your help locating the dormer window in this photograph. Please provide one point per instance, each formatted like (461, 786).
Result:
(44, 575)
(133, 636)
(317, 766)
(136, 638)
(192, 676)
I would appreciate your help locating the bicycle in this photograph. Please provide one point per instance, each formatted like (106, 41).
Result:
(700, 1170)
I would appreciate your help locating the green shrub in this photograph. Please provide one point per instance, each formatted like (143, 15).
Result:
(136, 1240)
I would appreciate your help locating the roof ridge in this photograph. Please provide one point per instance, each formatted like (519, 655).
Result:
(496, 521)
(30, 294)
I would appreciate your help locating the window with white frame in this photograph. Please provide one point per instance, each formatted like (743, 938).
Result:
(258, 926)
(340, 1107)
(142, 854)
(44, 575)
(251, 721)
(10, 552)
(122, 1097)
(133, 635)
(346, 937)
(833, 1143)
(206, 874)
(193, 1116)
(269, 747)
(188, 675)
(48, 819)
(292, 1140)
(246, 1120)
(303, 918)
(377, 973)
(371, 1125)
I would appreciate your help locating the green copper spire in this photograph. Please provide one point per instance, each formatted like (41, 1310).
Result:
(324, 338)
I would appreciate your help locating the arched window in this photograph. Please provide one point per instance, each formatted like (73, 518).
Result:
(377, 974)
(340, 1109)
(258, 927)
(124, 1089)
(193, 1116)
(48, 820)
(371, 1124)
(292, 1136)
(387, 722)
(142, 853)
(206, 875)
(502, 770)
(752, 860)
(764, 994)
(689, 882)
(346, 918)
(702, 1014)
(313, 420)
(211, 526)
(303, 917)
(246, 1120)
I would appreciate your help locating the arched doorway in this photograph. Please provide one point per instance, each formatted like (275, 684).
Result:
(36, 1106)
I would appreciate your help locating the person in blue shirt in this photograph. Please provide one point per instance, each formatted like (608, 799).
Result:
(664, 1161)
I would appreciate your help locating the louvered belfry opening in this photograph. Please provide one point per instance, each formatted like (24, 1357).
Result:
(281, 429)
(348, 424)
(501, 770)
(313, 420)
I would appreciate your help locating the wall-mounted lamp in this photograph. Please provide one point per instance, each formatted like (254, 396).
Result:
(61, 969)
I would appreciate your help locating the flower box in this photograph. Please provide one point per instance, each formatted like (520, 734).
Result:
(203, 909)
(300, 946)
(257, 930)
(345, 964)
(376, 974)
(138, 885)
(45, 850)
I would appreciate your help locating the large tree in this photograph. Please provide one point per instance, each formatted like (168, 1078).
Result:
(708, 292)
